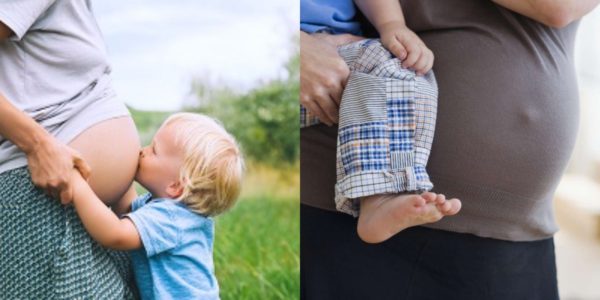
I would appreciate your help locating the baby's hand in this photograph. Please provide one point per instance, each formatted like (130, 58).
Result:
(407, 46)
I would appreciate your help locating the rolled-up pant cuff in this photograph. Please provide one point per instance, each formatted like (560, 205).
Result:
(387, 120)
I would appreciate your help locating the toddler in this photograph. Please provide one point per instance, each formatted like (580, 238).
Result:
(387, 118)
(193, 171)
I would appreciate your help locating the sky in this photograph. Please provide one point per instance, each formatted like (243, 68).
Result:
(157, 48)
(587, 62)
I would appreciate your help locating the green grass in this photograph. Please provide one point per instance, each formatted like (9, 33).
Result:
(148, 122)
(257, 250)
(257, 244)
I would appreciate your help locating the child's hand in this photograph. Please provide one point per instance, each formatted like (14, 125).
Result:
(407, 46)
(75, 183)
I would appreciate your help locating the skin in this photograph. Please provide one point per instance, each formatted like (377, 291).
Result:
(387, 17)
(323, 74)
(49, 161)
(383, 216)
(104, 154)
(158, 171)
(111, 148)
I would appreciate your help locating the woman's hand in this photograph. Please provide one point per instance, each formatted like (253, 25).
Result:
(323, 74)
(51, 165)
(50, 162)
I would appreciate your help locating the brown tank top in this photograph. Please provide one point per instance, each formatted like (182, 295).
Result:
(507, 118)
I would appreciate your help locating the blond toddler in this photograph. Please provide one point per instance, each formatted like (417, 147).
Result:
(193, 171)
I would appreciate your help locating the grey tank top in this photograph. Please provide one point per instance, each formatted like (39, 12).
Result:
(507, 118)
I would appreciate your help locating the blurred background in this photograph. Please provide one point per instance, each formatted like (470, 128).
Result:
(239, 62)
(577, 202)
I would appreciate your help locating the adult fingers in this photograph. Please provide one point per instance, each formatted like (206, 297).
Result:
(315, 109)
(329, 107)
(80, 164)
(66, 194)
(335, 94)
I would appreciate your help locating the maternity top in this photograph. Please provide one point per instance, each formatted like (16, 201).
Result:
(506, 124)
(55, 69)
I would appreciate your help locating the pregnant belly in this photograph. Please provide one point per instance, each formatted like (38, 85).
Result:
(504, 124)
(111, 149)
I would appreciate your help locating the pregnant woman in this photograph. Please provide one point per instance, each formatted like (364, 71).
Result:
(58, 111)
(507, 121)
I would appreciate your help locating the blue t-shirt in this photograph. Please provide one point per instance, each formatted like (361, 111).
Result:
(175, 261)
(331, 16)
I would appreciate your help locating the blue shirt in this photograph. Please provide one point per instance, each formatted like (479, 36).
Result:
(332, 16)
(175, 261)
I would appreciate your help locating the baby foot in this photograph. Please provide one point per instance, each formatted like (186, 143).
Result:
(382, 216)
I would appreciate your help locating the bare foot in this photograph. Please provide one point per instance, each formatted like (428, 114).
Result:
(382, 216)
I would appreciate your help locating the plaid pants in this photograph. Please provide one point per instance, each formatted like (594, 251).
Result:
(386, 125)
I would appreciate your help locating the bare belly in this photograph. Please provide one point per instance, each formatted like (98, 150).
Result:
(111, 149)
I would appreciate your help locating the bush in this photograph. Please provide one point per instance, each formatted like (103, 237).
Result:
(265, 120)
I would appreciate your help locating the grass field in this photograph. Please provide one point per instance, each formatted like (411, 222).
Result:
(257, 243)
(257, 250)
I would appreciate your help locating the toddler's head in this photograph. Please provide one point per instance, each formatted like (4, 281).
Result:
(194, 160)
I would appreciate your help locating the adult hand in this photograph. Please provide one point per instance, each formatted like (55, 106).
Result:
(51, 165)
(323, 74)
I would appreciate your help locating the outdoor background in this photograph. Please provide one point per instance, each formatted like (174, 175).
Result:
(236, 61)
(577, 201)
(239, 62)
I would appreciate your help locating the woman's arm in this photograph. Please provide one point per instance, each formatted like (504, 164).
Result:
(553, 13)
(5, 32)
(100, 222)
(49, 161)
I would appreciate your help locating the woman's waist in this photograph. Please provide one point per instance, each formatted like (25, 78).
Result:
(495, 213)
(58, 107)
(67, 119)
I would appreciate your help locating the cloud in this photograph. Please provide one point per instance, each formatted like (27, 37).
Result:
(156, 49)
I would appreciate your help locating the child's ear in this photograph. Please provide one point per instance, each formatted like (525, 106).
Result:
(175, 189)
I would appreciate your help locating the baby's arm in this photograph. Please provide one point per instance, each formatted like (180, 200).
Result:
(386, 16)
(100, 222)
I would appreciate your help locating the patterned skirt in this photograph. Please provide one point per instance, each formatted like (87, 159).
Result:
(45, 252)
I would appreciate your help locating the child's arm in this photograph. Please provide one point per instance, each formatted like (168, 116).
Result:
(123, 206)
(386, 16)
(100, 222)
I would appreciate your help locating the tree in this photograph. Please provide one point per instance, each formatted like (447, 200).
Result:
(265, 120)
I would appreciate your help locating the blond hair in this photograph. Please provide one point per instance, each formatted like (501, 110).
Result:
(212, 166)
